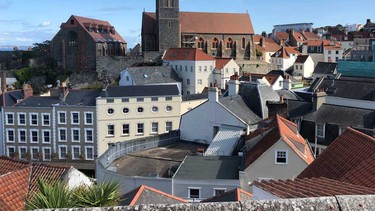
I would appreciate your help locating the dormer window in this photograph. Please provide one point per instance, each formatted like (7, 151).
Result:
(281, 157)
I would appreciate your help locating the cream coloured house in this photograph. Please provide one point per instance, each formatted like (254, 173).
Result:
(224, 69)
(129, 112)
(304, 66)
(284, 58)
(275, 151)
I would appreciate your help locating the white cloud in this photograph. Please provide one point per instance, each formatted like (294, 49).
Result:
(45, 23)
(5, 34)
(23, 39)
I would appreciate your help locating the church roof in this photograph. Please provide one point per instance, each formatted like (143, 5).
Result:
(205, 23)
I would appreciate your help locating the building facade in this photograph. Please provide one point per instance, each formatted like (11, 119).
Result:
(81, 41)
(170, 28)
(131, 112)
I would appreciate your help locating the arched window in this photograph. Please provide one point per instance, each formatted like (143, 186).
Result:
(215, 43)
(243, 43)
(200, 43)
(72, 39)
(169, 3)
(230, 43)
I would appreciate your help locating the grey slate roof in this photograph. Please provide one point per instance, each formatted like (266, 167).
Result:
(326, 68)
(289, 95)
(195, 97)
(82, 97)
(153, 74)
(141, 91)
(11, 97)
(209, 167)
(37, 101)
(237, 105)
(298, 108)
(346, 88)
(256, 96)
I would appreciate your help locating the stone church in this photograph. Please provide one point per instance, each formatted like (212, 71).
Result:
(81, 41)
(222, 35)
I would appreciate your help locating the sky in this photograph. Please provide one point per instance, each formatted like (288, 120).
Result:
(24, 22)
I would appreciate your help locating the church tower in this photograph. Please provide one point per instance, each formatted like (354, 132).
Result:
(168, 24)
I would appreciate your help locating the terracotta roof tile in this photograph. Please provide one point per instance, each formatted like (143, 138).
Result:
(14, 188)
(285, 52)
(97, 37)
(281, 129)
(311, 36)
(8, 164)
(221, 62)
(257, 38)
(187, 54)
(298, 36)
(203, 22)
(271, 47)
(282, 36)
(350, 158)
(311, 187)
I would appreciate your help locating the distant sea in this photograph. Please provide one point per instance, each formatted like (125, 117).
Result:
(10, 47)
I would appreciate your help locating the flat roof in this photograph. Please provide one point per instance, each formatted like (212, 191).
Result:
(158, 162)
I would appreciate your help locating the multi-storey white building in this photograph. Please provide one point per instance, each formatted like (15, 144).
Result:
(284, 58)
(129, 112)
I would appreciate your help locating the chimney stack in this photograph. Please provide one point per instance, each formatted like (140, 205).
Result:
(318, 98)
(368, 21)
(213, 94)
(63, 91)
(287, 83)
(27, 91)
(233, 85)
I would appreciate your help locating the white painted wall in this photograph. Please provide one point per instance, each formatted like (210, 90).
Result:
(284, 63)
(125, 78)
(330, 55)
(306, 70)
(260, 194)
(223, 76)
(2, 137)
(75, 178)
(198, 124)
(265, 167)
(181, 187)
(278, 85)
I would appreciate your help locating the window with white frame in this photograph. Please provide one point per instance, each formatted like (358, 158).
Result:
(33, 119)
(45, 119)
(46, 136)
(34, 136)
(74, 117)
(11, 151)
(194, 193)
(34, 153)
(22, 152)
(226, 70)
(154, 99)
(22, 137)
(154, 127)
(89, 135)
(63, 151)
(205, 69)
(199, 81)
(281, 157)
(110, 130)
(200, 68)
(320, 130)
(168, 126)
(89, 152)
(76, 152)
(125, 129)
(75, 134)
(21, 118)
(168, 98)
(46, 153)
(9, 118)
(10, 135)
(140, 128)
(219, 191)
(62, 134)
(61, 117)
(89, 118)
(168, 108)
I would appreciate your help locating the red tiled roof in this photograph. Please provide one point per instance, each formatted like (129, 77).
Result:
(311, 187)
(236, 193)
(8, 164)
(269, 40)
(137, 192)
(311, 36)
(282, 36)
(352, 152)
(14, 188)
(260, 48)
(282, 129)
(96, 36)
(221, 62)
(285, 52)
(203, 22)
(206, 23)
(187, 54)
(298, 36)
(271, 47)
(257, 38)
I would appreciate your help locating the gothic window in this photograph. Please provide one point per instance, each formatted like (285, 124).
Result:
(72, 39)
(215, 43)
(72, 22)
(230, 43)
(170, 3)
(243, 43)
(200, 43)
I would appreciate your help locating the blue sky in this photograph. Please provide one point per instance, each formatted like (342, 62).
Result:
(24, 22)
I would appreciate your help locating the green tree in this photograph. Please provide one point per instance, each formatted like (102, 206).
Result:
(101, 195)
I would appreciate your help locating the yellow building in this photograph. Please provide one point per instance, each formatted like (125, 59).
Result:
(129, 112)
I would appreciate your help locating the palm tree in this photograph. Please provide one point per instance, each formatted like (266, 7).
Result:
(100, 195)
